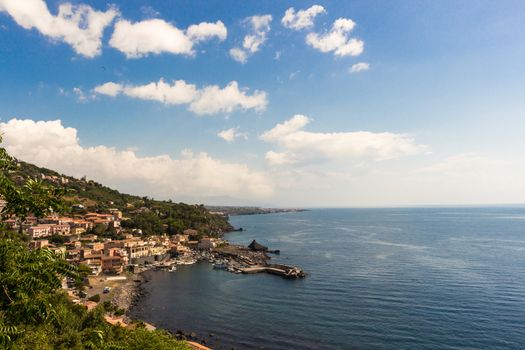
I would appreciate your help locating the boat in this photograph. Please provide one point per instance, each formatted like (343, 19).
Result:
(173, 268)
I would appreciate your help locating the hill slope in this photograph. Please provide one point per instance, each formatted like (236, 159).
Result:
(152, 216)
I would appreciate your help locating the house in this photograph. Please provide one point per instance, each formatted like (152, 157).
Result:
(11, 224)
(73, 245)
(56, 220)
(207, 243)
(77, 230)
(138, 252)
(31, 221)
(58, 250)
(112, 264)
(96, 246)
(116, 213)
(192, 244)
(38, 244)
(40, 231)
(179, 249)
(89, 238)
(179, 238)
(60, 229)
(81, 224)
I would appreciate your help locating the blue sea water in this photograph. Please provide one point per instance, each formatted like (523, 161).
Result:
(433, 278)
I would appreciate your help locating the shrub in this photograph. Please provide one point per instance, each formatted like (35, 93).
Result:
(120, 312)
(95, 298)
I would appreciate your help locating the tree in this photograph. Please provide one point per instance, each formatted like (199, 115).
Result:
(33, 197)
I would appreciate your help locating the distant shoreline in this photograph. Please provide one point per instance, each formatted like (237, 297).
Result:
(237, 211)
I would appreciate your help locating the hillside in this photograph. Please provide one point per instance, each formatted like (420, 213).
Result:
(150, 215)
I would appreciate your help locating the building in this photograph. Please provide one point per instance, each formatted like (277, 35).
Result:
(116, 213)
(38, 244)
(60, 229)
(96, 246)
(207, 243)
(40, 231)
(81, 224)
(11, 224)
(178, 238)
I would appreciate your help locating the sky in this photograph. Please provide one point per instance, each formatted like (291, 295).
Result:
(271, 103)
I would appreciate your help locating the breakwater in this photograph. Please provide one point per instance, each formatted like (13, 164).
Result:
(276, 269)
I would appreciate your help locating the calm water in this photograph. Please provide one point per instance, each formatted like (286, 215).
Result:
(379, 278)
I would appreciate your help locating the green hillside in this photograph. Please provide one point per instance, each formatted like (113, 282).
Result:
(150, 215)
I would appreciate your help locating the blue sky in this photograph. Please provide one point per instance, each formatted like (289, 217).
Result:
(440, 106)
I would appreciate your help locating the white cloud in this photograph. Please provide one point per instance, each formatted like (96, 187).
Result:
(205, 31)
(209, 100)
(279, 158)
(259, 28)
(229, 135)
(80, 26)
(109, 89)
(179, 92)
(155, 36)
(337, 40)
(301, 19)
(303, 146)
(192, 177)
(212, 99)
(239, 55)
(359, 67)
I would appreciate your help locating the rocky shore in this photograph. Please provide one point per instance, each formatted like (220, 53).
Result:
(124, 296)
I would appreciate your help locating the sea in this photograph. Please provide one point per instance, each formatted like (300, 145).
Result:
(423, 278)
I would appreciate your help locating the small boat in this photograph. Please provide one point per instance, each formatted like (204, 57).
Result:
(220, 266)
(173, 268)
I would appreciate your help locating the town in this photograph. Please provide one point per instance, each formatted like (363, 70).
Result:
(72, 237)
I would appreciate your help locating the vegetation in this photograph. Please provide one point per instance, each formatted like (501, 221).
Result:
(143, 213)
(35, 312)
(95, 298)
(30, 197)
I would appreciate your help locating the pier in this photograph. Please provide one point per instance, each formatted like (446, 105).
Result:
(280, 270)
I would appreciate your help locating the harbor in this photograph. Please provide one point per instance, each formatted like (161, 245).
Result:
(233, 258)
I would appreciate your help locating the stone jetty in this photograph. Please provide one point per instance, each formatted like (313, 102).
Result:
(274, 269)
(249, 260)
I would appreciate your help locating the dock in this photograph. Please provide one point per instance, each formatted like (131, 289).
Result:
(274, 269)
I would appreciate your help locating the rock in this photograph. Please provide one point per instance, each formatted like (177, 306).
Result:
(257, 247)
